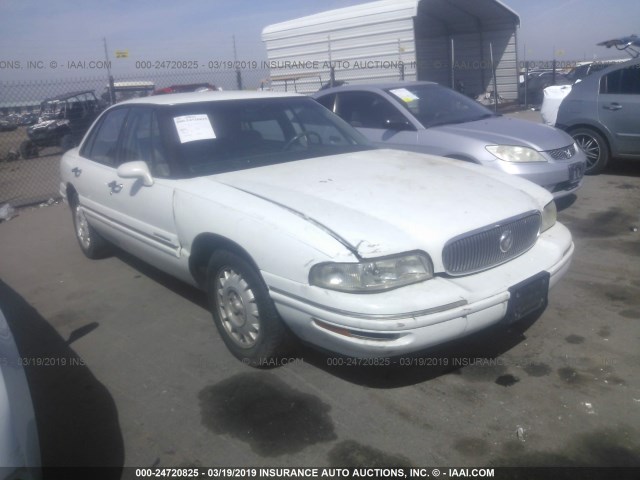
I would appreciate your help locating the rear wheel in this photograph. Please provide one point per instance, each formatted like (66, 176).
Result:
(90, 241)
(243, 311)
(595, 147)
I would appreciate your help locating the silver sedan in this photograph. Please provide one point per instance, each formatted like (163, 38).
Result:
(429, 118)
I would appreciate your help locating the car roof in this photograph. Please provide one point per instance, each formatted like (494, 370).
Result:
(197, 97)
(595, 77)
(373, 86)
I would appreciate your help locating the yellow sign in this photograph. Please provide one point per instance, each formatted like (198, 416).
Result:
(122, 53)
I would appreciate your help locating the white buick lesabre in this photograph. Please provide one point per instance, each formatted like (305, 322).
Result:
(292, 223)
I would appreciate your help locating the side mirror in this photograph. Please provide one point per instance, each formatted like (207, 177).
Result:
(137, 169)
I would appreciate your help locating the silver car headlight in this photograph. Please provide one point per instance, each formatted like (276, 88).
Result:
(549, 215)
(374, 275)
(510, 153)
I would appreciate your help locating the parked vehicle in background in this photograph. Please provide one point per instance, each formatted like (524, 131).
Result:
(63, 121)
(293, 223)
(29, 118)
(602, 114)
(429, 118)
(127, 90)
(7, 125)
(555, 93)
(537, 82)
(185, 88)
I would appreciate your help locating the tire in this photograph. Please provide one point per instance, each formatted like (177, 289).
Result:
(595, 147)
(243, 311)
(91, 242)
(28, 149)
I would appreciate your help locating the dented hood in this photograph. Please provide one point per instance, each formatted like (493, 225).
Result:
(381, 202)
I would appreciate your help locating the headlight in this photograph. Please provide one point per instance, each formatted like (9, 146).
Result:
(509, 153)
(549, 215)
(373, 275)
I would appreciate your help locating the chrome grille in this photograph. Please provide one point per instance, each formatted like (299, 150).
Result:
(564, 153)
(491, 245)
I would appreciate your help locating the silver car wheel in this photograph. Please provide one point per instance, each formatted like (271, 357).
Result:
(590, 147)
(82, 228)
(237, 308)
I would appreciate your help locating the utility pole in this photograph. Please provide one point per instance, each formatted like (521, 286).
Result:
(235, 62)
(112, 98)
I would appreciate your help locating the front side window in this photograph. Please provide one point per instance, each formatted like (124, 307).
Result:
(141, 141)
(367, 110)
(102, 146)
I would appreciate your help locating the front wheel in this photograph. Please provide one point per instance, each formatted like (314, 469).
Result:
(595, 147)
(90, 241)
(243, 311)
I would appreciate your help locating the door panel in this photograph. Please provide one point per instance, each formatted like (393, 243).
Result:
(619, 108)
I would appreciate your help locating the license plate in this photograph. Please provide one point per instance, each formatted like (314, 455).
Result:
(527, 297)
(576, 172)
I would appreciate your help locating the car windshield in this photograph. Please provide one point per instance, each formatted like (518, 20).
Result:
(436, 105)
(224, 136)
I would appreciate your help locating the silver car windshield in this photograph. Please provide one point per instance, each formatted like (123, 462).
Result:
(436, 105)
(223, 136)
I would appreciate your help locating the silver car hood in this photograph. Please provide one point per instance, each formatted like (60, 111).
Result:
(509, 131)
(382, 202)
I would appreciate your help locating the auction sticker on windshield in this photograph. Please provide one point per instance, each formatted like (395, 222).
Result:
(194, 127)
(404, 95)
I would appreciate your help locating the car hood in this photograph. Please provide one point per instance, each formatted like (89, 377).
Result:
(510, 131)
(380, 202)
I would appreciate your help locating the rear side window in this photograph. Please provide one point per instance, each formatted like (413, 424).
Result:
(103, 144)
(625, 81)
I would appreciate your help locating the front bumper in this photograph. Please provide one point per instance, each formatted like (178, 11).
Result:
(418, 316)
(561, 178)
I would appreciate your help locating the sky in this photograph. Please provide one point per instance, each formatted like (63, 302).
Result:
(43, 33)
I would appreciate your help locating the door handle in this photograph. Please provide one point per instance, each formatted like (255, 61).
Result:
(613, 106)
(76, 171)
(114, 187)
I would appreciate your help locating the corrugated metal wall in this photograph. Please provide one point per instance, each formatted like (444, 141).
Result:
(416, 33)
(353, 39)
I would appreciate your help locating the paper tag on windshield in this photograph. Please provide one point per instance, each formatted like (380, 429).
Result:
(404, 95)
(194, 127)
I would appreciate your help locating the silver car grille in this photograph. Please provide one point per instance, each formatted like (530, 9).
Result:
(491, 245)
(564, 153)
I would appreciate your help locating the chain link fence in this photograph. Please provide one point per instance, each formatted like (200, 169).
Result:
(38, 123)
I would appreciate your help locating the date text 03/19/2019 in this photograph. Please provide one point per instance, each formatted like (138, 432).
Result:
(304, 473)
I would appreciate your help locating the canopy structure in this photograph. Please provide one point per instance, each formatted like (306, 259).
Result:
(451, 42)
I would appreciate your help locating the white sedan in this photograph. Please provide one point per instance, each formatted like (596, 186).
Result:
(295, 226)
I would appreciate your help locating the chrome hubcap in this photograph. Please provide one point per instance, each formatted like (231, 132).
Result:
(237, 308)
(82, 228)
(590, 148)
